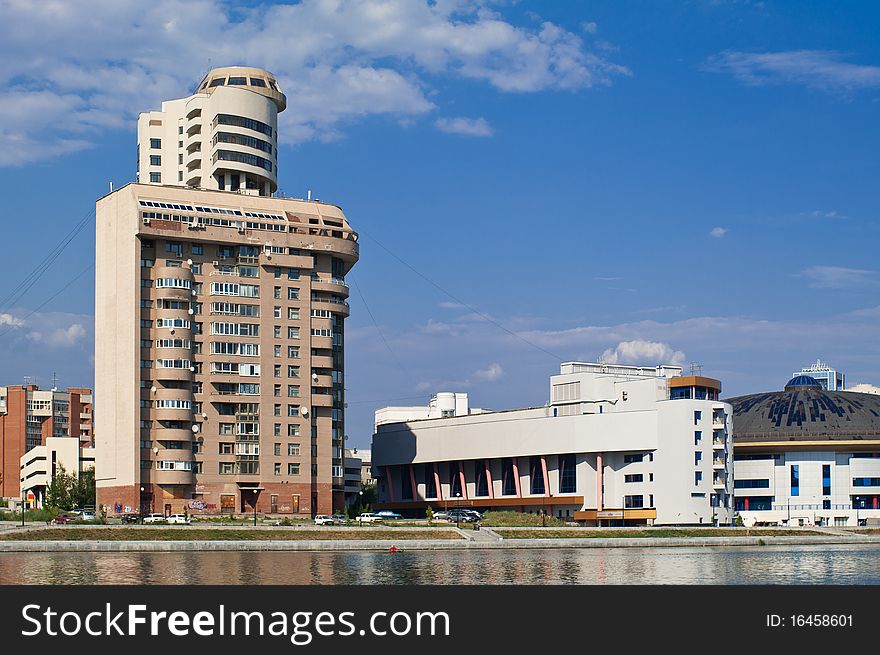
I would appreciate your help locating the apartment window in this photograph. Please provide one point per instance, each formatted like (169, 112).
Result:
(277, 410)
(634, 477)
(698, 457)
(277, 295)
(795, 480)
(226, 468)
(293, 313)
(292, 352)
(156, 143)
(826, 479)
(276, 390)
(276, 430)
(198, 249)
(277, 350)
(155, 160)
(277, 450)
(277, 468)
(631, 459)
(698, 415)
(292, 293)
(293, 410)
(292, 371)
(293, 333)
(292, 449)
(293, 469)
(276, 371)
(155, 177)
(567, 474)
(757, 483)
(225, 448)
(197, 270)
(174, 247)
(698, 437)
(698, 477)
(293, 430)
(633, 502)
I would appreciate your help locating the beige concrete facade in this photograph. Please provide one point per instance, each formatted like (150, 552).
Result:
(40, 464)
(219, 351)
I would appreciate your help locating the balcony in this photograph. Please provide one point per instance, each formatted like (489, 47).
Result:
(322, 400)
(333, 285)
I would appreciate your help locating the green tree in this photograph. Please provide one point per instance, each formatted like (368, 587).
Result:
(59, 493)
(429, 514)
(83, 490)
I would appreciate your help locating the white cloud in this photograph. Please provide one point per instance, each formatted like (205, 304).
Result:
(464, 126)
(59, 337)
(492, 373)
(822, 70)
(718, 232)
(10, 320)
(838, 277)
(643, 352)
(71, 73)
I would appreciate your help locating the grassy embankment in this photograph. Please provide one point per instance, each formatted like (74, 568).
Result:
(73, 533)
(657, 533)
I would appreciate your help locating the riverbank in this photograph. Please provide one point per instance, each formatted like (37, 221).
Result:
(302, 538)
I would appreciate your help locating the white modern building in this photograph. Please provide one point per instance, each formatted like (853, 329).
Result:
(42, 463)
(224, 137)
(615, 444)
(441, 405)
(807, 456)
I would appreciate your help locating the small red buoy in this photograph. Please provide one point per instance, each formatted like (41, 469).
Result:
(393, 549)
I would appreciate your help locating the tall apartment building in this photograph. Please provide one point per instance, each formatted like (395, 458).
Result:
(219, 318)
(615, 444)
(29, 416)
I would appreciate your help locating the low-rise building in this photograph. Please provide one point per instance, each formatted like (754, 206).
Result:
(807, 456)
(29, 416)
(42, 463)
(352, 476)
(615, 444)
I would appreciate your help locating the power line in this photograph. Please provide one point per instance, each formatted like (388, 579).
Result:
(382, 400)
(18, 292)
(382, 336)
(50, 298)
(486, 317)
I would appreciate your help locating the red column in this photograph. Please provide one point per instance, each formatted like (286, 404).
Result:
(516, 476)
(489, 478)
(437, 482)
(412, 481)
(461, 480)
(746, 505)
(546, 477)
(390, 483)
(874, 502)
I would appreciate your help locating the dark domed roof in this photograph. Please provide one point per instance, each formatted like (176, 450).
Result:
(802, 381)
(805, 412)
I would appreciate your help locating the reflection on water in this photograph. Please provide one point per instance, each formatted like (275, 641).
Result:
(856, 564)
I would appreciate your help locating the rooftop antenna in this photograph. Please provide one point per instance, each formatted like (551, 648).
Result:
(28, 380)
(55, 379)
(696, 368)
(111, 186)
(309, 194)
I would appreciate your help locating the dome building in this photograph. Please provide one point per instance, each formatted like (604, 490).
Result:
(807, 455)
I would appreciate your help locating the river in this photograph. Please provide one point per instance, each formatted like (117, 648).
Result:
(808, 564)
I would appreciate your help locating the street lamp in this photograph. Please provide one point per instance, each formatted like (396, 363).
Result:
(256, 492)
(22, 508)
(457, 513)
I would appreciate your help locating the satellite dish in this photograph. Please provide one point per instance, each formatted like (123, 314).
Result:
(304, 411)
(156, 451)
(195, 428)
(191, 311)
(315, 376)
(172, 330)
(189, 261)
(192, 369)
(204, 415)
(153, 389)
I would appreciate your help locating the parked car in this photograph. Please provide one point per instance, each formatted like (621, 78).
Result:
(179, 519)
(131, 518)
(339, 519)
(461, 515)
(65, 517)
(154, 518)
(323, 519)
(368, 517)
(87, 515)
(388, 514)
(441, 516)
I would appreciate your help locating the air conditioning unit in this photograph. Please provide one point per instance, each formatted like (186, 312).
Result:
(146, 221)
(216, 262)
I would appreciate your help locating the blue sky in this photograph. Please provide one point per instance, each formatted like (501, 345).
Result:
(644, 182)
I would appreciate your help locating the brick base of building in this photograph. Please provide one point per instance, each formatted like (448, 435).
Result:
(200, 499)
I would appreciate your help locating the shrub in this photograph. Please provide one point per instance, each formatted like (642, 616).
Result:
(518, 519)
